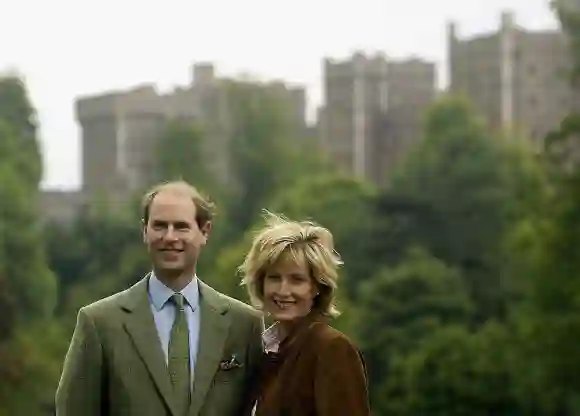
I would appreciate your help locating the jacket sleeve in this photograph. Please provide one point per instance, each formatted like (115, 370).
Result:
(254, 360)
(79, 391)
(256, 346)
(341, 387)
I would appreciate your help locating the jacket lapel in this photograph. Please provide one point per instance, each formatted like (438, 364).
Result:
(140, 325)
(214, 323)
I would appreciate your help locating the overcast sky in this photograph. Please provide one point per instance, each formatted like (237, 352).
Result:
(67, 48)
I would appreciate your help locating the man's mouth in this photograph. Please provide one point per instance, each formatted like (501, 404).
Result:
(170, 250)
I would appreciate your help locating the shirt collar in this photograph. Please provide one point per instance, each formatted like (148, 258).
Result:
(271, 338)
(160, 294)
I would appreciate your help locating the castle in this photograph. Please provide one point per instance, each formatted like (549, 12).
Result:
(372, 111)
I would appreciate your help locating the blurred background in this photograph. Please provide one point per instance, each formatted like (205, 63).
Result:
(436, 140)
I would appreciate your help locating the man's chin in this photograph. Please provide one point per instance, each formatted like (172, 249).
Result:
(169, 268)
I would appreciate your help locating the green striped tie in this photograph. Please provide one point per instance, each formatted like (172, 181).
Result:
(178, 357)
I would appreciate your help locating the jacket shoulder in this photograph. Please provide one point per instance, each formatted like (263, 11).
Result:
(326, 336)
(239, 307)
(333, 346)
(235, 306)
(105, 306)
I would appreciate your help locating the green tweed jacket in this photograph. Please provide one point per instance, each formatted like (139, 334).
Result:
(115, 364)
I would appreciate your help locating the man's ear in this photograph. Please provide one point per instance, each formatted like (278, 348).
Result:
(206, 230)
(144, 231)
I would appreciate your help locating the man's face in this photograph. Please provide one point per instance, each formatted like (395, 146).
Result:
(172, 235)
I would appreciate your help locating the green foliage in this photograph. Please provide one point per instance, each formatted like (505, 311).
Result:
(33, 370)
(465, 188)
(475, 205)
(181, 155)
(28, 287)
(224, 275)
(264, 154)
(554, 303)
(455, 171)
(454, 372)
(97, 255)
(561, 147)
(551, 316)
(569, 17)
(527, 182)
(29, 280)
(401, 222)
(17, 112)
(402, 305)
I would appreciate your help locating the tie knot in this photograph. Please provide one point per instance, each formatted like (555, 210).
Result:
(178, 300)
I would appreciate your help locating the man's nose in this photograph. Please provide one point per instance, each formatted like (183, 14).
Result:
(170, 234)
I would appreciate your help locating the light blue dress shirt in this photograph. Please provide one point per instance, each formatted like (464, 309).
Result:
(164, 314)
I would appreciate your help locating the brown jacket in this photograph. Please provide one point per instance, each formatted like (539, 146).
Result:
(317, 372)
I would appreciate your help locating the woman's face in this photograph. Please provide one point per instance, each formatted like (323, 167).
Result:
(289, 290)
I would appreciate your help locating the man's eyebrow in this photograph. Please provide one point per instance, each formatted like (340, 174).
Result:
(182, 222)
(176, 222)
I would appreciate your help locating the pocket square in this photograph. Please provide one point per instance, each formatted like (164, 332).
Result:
(230, 364)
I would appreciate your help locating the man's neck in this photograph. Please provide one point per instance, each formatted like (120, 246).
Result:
(176, 282)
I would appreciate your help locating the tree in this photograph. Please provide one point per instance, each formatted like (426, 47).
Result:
(180, 155)
(401, 222)
(28, 279)
(569, 16)
(561, 145)
(266, 150)
(28, 286)
(17, 111)
(554, 309)
(459, 179)
(455, 372)
(401, 306)
(552, 315)
(98, 254)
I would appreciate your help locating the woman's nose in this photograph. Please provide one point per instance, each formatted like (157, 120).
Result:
(284, 288)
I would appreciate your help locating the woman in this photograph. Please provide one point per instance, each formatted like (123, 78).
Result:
(309, 368)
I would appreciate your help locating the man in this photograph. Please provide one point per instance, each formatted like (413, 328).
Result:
(169, 345)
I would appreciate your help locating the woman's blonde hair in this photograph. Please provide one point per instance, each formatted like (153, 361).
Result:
(306, 240)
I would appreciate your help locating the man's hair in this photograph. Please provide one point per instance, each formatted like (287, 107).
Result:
(204, 207)
(282, 239)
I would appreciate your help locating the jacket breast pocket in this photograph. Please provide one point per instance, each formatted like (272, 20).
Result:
(226, 395)
(231, 369)
(233, 375)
